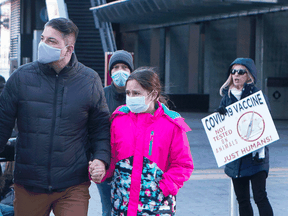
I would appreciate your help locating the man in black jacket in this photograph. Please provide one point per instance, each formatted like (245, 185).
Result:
(61, 113)
(2, 83)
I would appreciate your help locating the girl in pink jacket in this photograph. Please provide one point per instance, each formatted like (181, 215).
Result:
(151, 157)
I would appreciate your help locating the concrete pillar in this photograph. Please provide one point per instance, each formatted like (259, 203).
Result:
(201, 58)
(136, 48)
(193, 58)
(167, 60)
(246, 37)
(157, 49)
(220, 51)
(143, 48)
(176, 66)
(259, 52)
(274, 44)
(272, 53)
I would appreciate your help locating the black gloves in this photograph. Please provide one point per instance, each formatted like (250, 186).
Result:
(222, 110)
(256, 158)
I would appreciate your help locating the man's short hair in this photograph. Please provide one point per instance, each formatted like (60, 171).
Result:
(65, 26)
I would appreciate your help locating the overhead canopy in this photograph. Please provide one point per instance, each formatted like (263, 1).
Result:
(172, 11)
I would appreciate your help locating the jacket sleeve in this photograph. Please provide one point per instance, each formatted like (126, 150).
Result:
(180, 165)
(8, 109)
(111, 169)
(99, 125)
(223, 102)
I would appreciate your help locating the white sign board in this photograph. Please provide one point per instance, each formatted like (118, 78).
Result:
(246, 127)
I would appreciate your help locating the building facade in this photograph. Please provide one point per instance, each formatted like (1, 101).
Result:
(192, 43)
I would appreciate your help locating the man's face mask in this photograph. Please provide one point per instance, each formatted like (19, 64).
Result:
(119, 77)
(48, 54)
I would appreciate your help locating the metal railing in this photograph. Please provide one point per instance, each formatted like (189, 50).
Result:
(105, 29)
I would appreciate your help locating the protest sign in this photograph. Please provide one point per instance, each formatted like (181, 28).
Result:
(246, 127)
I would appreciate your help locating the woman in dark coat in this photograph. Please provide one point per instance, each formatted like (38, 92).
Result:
(254, 167)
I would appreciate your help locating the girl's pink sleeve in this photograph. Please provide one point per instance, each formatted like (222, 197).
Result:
(180, 165)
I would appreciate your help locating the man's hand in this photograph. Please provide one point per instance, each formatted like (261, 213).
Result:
(97, 170)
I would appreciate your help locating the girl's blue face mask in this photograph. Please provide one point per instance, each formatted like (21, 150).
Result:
(48, 54)
(120, 77)
(137, 104)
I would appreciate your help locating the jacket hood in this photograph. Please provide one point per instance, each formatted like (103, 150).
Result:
(173, 116)
(248, 63)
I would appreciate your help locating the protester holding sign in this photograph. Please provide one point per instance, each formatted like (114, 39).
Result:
(151, 156)
(254, 167)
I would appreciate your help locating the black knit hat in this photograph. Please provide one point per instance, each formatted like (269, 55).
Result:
(2, 83)
(121, 56)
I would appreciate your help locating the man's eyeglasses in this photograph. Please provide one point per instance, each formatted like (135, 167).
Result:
(240, 71)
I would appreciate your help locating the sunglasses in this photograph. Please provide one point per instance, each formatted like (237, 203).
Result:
(240, 71)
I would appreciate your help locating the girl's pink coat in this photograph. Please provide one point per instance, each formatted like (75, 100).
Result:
(131, 135)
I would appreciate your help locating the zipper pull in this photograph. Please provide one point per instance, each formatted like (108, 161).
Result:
(151, 143)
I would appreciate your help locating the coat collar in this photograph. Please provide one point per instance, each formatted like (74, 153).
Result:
(162, 110)
(119, 96)
(68, 70)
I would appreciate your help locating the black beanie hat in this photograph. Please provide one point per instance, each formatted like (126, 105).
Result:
(2, 83)
(121, 56)
(248, 63)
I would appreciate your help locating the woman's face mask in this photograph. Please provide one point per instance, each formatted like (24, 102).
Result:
(48, 54)
(119, 77)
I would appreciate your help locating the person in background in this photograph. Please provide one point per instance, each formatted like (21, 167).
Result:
(254, 167)
(120, 67)
(7, 189)
(150, 156)
(6, 176)
(9, 150)
(62, 118)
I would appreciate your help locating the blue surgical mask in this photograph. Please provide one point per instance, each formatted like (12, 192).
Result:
(137, 104)
(48, 54)
(120, 77)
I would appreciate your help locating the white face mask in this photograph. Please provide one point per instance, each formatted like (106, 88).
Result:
(137, 104)
(120, 77)
(48, 54)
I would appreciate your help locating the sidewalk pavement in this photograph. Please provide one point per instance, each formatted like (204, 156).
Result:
(207, 192)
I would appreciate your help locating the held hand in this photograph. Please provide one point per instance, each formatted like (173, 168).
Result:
(222, 110)
(97, 170)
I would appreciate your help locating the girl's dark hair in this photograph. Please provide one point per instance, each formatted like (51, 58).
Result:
(149, 80)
